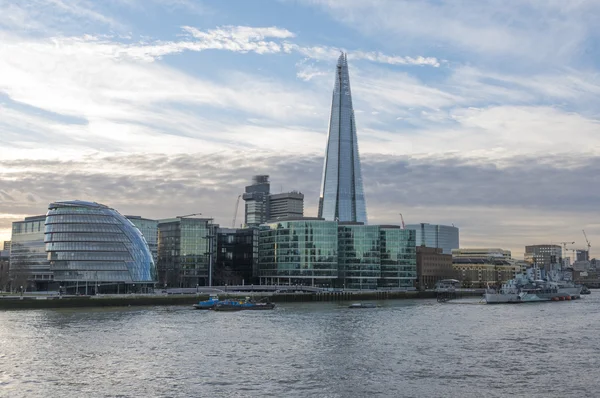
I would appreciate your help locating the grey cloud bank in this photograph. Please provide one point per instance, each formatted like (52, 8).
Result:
(523, 200)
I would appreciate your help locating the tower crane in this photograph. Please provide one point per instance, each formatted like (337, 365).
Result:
(402, 219)
(237, 204)
(587, 241)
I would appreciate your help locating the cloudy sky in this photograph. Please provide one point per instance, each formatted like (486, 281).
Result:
(481, 114)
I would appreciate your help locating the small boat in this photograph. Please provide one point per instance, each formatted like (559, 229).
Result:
(362, 305)
(242, 305)
(585, 290)
(208, 304)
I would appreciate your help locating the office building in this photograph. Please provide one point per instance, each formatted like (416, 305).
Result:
(480, 273)
(444, 237)
(236, 256)
(4, 270)
(432, 266)
(547, 257)
(262, 206)
(29, 264)
(342, 196)
(317, 252)
(482, 253)
(148, 228)
(256, 199)
(582, 255)
(93, 248)
(285, 205)
(6, 246)
(186, 248)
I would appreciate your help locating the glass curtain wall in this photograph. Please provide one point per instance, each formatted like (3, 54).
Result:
(93, 248)
(298, 253)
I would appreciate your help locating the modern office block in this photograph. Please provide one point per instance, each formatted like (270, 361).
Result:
(29, 264)
(186, 248)
(236, 256)
(286, 205)
(4, 271)
(93, 248)
(432, 235)
(342, 196)
(544, 256)
(317, 252)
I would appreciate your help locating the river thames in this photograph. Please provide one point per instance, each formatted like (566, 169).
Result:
(406, 348)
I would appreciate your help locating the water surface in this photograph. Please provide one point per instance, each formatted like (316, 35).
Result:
(406, 348)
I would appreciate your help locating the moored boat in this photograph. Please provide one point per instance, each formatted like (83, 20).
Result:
(585, 290)
(525, 290)
(242, 305)
(208, 304)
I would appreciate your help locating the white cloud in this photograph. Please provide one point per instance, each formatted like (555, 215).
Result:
(537, 31)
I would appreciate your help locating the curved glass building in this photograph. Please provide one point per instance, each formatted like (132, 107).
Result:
(92, 246)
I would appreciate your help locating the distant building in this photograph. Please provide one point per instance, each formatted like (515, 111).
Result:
(432, 235)
(148, 228)
(544, 256)
(186, 249)
(93, 248)
(582, 255)
(256, 200)
(236, 256)
(285, 205)
(262, 206)
(6, 246)
(432, 266)
(29, 264)
(4, 270)
(478, 273)
(317, 252)
(483, 253)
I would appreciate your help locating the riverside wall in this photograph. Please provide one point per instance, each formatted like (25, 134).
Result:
(32, 302)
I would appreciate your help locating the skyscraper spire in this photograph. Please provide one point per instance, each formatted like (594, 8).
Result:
(342, 196)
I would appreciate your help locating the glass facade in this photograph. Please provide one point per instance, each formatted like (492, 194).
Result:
(444, 237)
(148, 228)
(235, 256)
(398, 257)
(359, 256)
(342, 197)
(185, 250)
(91, 244)
(29, 265)
(300, 252)
(339, 255)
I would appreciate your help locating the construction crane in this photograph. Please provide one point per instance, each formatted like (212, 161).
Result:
(190, 215)
(587, 241)
(565, 247)
(402, 219)
(237, 204)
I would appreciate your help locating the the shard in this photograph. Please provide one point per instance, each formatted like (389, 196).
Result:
(342, 196)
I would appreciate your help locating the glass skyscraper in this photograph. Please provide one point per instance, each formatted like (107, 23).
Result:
(342, 196)
(91, 244)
